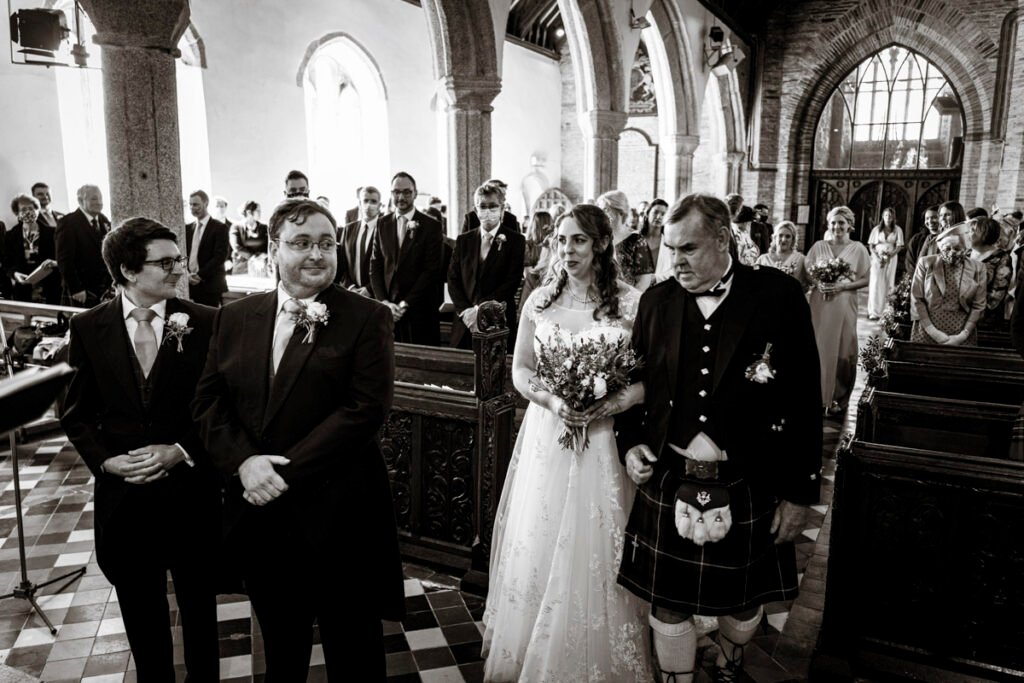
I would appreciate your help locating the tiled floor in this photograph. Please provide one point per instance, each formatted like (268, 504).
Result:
(438, 641)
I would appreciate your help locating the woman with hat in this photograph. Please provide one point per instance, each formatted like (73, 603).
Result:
(948, 293)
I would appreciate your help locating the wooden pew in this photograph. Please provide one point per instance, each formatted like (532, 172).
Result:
(924, 568)
(969, 356)
(932, 423)
(954, 381)
(447, 443)
(987, 338)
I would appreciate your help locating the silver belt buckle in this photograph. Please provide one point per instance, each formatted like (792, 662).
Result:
(701, 469)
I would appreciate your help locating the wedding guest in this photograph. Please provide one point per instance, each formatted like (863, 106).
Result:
(923, 243)
(984, 236)
(29, 245)
(249, 242)
(951, 213)
(947, 294)
(553, 610)
(834, 309)
(220, 210)
(487, 265)
(47, 216)
(717, 340)
(7, 281)
(746, 248)
(537, 258)
(633, 220)
(355, 244)
(296, 185)
(636, 264)
(406, 266)
(471, 221)
(206, 242)
(651, 229)
(297, 384)
(884, 244)
(139, 357)
(782, 254)
(79, 259)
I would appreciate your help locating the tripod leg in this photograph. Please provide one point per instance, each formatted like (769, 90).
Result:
(70, 576)
(39, 610)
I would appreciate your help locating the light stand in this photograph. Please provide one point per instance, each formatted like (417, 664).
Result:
(26, 590)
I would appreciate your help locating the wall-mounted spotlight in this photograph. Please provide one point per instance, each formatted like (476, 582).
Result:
(637, 22)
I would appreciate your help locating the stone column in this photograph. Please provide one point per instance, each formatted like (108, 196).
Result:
(679, 165)
(139, 41)
(735, 161)
(469, 141)
(601, 131)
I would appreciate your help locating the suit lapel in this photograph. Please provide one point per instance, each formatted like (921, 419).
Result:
(471, 261)
(167, 355)
(673, 308)
(258, 330)
(112, 336)
(352, 244)
(408, 240)
(294, 359)
(738, 307)
(939, 276)
(388, 229)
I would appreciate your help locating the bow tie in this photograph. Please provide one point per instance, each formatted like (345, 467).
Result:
(719, 288)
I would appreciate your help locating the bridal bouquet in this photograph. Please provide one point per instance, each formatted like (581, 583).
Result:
(884, 252)
(830, 272)
(581, 370)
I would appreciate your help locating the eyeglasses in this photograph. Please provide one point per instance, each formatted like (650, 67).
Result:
(303, 245)
(402, 193)
(296, 193)
(167, 263)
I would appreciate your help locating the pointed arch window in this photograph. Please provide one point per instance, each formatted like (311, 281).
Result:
(895, 111)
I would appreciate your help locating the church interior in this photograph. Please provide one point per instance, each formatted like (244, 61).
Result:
(909, 565)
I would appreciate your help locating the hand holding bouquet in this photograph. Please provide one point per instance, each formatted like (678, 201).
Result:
(829, 273)
(884, 252)
(581, 370)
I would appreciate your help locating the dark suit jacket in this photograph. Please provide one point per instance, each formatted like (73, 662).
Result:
(1017, 319)
(105, 417)
(15, 262)
(411, 275)
(213, 252)
(57, 215)
(915, 247)
(765, 306)
(471, 221)
(79, 256)
(471, 282)
(347, 238)
(327, 402)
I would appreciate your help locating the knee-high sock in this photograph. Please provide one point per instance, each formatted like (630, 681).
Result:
(736, 634)
(676, 647)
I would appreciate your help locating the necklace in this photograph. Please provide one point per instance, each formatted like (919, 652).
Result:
(587, 299)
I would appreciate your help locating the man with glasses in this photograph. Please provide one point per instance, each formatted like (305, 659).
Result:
(297, 384)
(406, 266)
(139, 358)
(208, 246)
(296, 185)
(509, 222)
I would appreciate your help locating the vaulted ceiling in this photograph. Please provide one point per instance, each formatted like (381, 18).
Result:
(536, 21)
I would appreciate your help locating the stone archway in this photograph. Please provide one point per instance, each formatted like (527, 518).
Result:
(857, 35)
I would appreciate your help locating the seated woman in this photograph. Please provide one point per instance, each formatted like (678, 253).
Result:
(947, 294)
(782, 254)
(985, 238)
(248, 241)
(27, 246)
(746, 248)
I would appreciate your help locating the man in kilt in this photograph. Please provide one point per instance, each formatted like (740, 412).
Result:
(726, 449)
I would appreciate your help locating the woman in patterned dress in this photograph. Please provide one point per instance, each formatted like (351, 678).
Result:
(947, 294)
(986, 236)
(636, 265)
(746, 249)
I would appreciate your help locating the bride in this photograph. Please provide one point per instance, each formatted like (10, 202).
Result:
(554, 610)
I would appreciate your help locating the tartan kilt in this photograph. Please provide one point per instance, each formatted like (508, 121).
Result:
(740, 572)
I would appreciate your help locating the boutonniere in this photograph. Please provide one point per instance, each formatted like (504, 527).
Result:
(500, 239)
(761, 370)
(176, 328)
(311, 318)
(410, 229)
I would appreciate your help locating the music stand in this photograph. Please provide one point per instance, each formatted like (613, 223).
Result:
(23, 399)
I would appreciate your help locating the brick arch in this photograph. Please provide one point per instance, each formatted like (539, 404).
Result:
(462, 39)
(925, 28)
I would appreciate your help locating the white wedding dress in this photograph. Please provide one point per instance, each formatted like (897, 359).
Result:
(554, 610)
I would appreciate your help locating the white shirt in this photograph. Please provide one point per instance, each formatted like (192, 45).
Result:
(398, 225)
(131, 324)
(282, 297)
(709, 304)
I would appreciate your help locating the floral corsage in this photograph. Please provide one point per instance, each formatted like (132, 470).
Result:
(410, 229)
(761, 370)
(311, 318)
(500, 239)
(176, 328)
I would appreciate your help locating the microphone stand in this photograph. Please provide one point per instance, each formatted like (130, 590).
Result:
(26, 589)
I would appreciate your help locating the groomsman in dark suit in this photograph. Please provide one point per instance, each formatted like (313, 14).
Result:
(297, 384)
(207, 247)
(79, 236)
(716, 339)
(41, 191)
(487, 265)
(355, 244)
(139, 357)
(406, 266)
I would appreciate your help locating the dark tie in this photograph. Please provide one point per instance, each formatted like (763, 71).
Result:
(360, 251)
(96, 226)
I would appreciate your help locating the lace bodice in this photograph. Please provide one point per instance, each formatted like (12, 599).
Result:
(577, 321)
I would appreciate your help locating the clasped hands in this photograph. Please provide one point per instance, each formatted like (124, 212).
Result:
(397, 310)
(145, 465)
(940, 337)
(260, 480)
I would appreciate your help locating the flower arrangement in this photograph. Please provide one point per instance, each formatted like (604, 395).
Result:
(830, 272)
(312, 317)
(897, 309)
(176, 328)
(872, 357)
(581, 370)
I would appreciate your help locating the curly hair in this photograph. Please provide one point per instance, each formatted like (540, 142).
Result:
(594, 224)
